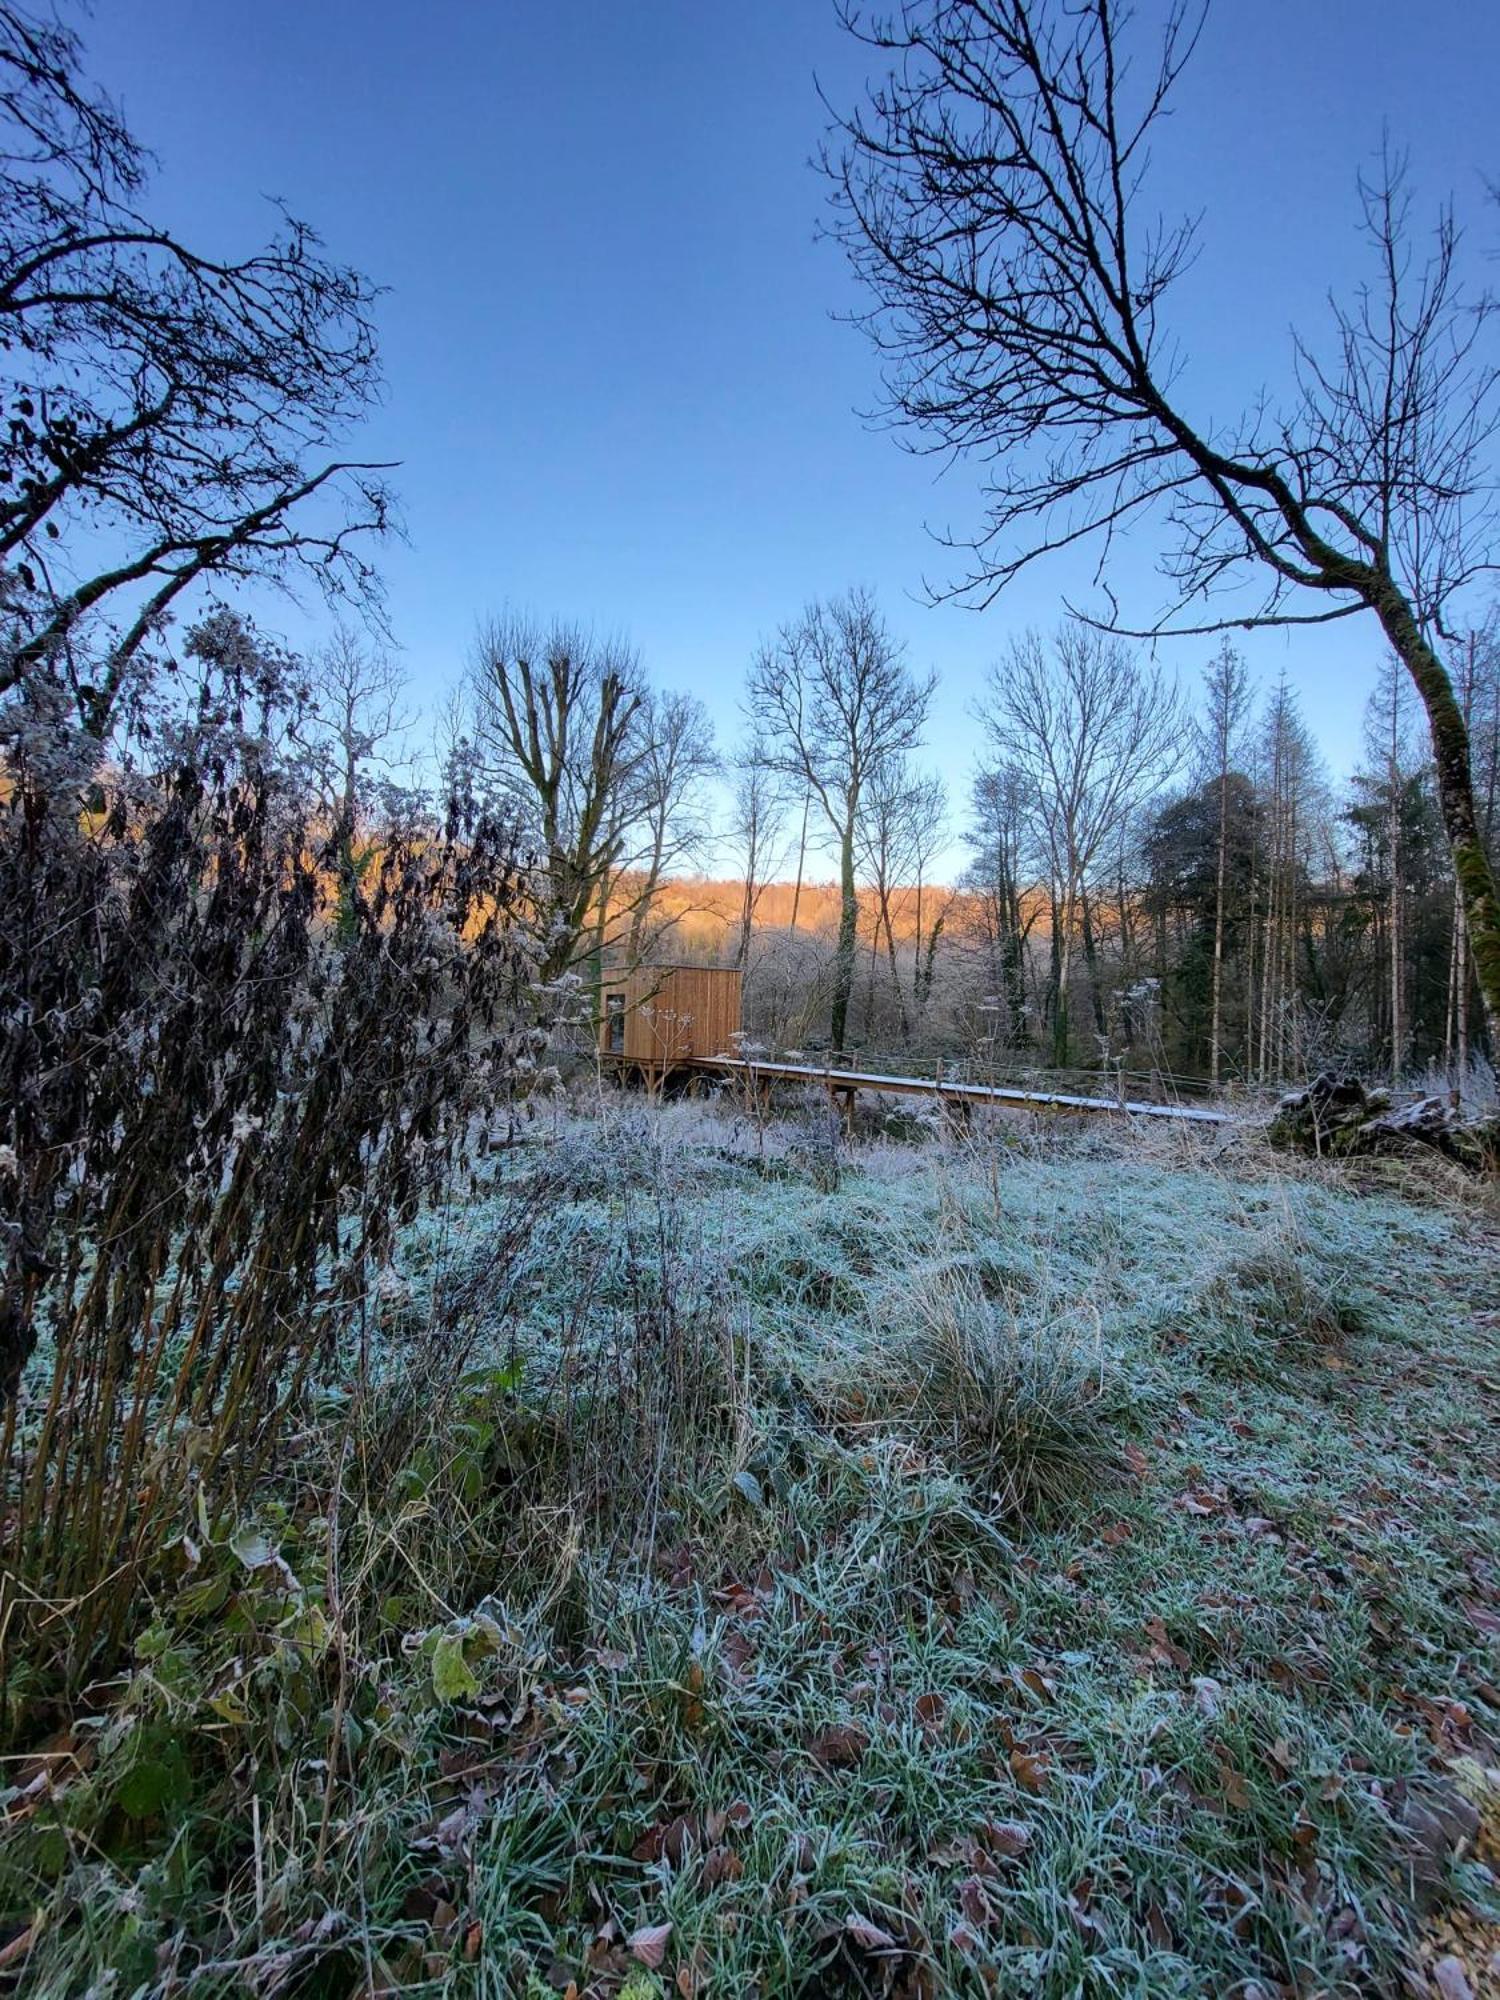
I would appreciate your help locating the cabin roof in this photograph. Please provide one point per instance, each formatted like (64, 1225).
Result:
(666, 965)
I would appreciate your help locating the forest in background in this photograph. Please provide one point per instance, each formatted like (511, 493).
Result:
(1198, 897)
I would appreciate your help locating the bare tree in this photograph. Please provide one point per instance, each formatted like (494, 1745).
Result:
(901, 829)
(1294, 807)
(1002, 837)
(989, 193)
(555, 718)
(1089, 732)
(358, 722)
(833, 699)
(1227, 685)
(170, 416)
(677, 760)
(1388, 746)
(929, 812)
(884, 840)
(1479, 696)
(758, 815)
(350, 741)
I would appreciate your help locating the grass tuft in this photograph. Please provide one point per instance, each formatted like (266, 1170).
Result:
(1032, 1410)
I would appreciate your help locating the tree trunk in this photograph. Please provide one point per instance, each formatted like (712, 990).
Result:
(801, 858)
(843, 968)
(1091, 959)
(747, 912)
(890, 951)
(1216, 1016)
(1461, 943)
(1450, 749)
(1060, 1049)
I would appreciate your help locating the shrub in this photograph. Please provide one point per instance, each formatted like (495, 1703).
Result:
(232, 1068)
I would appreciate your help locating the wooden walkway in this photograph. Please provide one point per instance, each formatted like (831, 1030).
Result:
(847, 1081)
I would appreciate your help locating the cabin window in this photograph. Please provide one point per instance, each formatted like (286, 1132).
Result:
(614, 1023)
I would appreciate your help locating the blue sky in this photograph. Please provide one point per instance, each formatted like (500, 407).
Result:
(616, 384)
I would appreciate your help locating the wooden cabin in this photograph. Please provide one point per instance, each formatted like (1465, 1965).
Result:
(661, 1016)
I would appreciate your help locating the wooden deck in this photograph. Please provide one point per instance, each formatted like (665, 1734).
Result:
(847, 1081)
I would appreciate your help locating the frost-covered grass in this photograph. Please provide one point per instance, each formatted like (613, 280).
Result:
(962, 1567)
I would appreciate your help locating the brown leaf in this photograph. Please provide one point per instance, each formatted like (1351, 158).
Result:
(1137, 1460)
(930, 1710)
(649, 1944)
(667, 1840)
(868, 1936)
(18, 1947)
(737, 1651)
(1282, 1756)
(840, 1747)
(1164, 1649)
(1029, 1769)
(721, 1864)
(1008, 1837)
(973, 1900)
(1236, 1793)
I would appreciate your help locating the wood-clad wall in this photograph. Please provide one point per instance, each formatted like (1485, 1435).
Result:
(672, 1013)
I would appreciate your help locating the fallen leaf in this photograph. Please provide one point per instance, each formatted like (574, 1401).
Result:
(720, 1864)
(1236, 1793)
(649, 1944)
(1008, 1837)
(1029, 1769)
(868, 1936)
(1158, 1929)
(839, 1747)
(930, 1710)
(973, 1900)
(1164, 1649)
(19, 1945)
